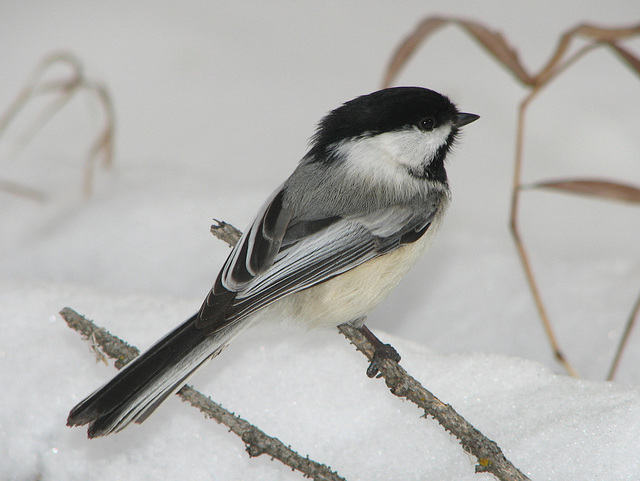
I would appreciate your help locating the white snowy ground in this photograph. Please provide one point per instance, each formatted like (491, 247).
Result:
(214, 103)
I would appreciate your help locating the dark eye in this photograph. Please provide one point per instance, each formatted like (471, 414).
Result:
(427, 124)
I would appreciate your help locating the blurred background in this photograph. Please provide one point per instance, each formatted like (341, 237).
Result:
(214, 103)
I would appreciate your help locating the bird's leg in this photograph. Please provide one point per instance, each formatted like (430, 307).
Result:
(380, 351)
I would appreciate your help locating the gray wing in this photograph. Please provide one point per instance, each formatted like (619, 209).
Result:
(280, 254)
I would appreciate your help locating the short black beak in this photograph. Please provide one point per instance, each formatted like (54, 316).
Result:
(463, 119)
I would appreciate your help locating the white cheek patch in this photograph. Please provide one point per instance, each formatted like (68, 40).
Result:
(391, 153)
(372, 163)
(414, 148)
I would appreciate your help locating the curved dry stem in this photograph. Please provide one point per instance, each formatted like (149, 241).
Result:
(623, 340)
(522, 252)
(104, 143)
(515, 203)
(63, 91)
(35, 86)
(493, 42)
(558, 63)
(597, 34)
(552, 72)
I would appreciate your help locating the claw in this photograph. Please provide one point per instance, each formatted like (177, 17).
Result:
(382, 352)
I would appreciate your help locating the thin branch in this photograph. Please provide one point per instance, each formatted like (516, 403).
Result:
(112, 346)
(401, 384)
(226, 232)
(256, 441)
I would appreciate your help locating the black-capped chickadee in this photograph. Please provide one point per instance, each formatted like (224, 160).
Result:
(325, 248)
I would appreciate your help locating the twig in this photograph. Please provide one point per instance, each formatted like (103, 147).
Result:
(256, 441)
(112, 346)
(489, 455)
(226, 232)
(400, 383)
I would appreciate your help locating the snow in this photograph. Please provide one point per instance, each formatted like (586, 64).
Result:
(214, 103)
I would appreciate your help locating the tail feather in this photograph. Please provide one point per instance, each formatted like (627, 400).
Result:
(150, 379)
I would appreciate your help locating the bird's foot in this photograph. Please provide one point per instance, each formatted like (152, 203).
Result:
(382, 352)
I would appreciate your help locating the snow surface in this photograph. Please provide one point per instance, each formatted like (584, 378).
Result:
(214, 103)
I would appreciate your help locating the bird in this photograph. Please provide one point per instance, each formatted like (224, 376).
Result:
(326, 247)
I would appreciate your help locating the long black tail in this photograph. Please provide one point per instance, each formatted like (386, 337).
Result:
(148, 380)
